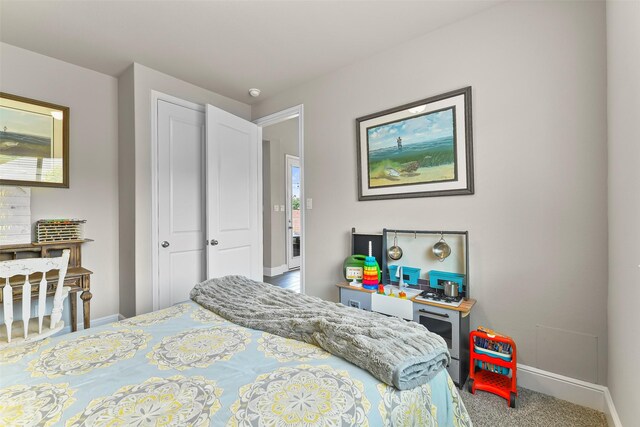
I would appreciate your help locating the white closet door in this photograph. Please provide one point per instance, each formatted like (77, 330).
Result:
(234, 193)
(181, 207)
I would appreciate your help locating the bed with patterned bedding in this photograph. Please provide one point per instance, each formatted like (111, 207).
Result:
(186, 366)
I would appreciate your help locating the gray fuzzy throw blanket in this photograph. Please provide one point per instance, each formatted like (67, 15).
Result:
(399, 353)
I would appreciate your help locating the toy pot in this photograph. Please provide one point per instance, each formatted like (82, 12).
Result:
(450, 289)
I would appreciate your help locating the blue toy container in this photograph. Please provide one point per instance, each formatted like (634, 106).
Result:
(493, 368)
(410, 275)
(435, 277)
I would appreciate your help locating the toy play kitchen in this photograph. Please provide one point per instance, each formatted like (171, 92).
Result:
(424, 277)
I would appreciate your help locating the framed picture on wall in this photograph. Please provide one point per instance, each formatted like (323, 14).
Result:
(34, 142)
(421, 149)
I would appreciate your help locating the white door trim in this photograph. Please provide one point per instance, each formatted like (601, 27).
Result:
(272, 119)
(288, 159)
(155, 97)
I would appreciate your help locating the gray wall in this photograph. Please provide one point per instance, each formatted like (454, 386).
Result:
(623, 46)
(282, 140)
(538, 220)
(92, 98)
(126, 191)
(139, 171)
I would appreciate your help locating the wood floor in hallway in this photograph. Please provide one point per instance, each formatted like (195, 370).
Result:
(288, 280)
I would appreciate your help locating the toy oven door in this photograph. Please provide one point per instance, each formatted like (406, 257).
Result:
(443, 323)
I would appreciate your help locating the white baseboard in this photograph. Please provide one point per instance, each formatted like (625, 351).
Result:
(594, 396)
(610, 410)
(94, 322)
(275, 271)
(565, 388)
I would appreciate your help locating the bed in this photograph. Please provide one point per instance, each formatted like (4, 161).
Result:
(185, 365)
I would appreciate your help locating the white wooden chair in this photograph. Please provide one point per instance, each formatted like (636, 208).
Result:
(34, 329)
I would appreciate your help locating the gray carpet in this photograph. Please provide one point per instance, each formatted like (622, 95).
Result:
(532, 410)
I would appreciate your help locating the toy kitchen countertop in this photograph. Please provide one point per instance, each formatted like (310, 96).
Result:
(346, 285)
(464, 308)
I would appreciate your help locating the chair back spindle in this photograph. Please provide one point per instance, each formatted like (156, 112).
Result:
(33, 329)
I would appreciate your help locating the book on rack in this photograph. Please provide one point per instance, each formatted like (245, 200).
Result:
(489, 344)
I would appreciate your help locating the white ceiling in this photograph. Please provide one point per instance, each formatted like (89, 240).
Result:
(224, 46)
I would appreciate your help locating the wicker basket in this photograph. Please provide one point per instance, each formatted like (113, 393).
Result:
(59, 230)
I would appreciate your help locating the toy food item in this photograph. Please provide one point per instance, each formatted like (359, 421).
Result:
(403, 295)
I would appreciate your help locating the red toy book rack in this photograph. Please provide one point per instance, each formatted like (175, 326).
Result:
(501, 384)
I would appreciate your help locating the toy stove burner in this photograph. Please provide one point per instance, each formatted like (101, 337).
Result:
(439, 298)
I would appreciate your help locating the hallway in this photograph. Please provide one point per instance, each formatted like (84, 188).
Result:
(288, 280)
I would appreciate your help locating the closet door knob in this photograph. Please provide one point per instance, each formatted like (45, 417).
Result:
(164, 244)
(214, 242)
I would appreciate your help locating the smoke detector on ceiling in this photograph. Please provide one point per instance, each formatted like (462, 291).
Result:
(254, 92)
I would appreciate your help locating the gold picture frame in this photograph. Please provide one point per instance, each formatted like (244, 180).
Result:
(34, 142)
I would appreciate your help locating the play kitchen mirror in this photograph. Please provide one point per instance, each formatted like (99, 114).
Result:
(435, 263)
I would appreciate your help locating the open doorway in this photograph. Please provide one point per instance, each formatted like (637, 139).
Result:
(293, 231)
(283, 210)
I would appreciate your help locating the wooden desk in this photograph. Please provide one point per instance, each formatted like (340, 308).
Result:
(78, 278)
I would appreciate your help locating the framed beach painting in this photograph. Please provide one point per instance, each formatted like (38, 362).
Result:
(421, 149)
(34, 143)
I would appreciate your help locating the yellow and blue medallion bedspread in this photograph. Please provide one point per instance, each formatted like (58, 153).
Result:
(185, 366)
